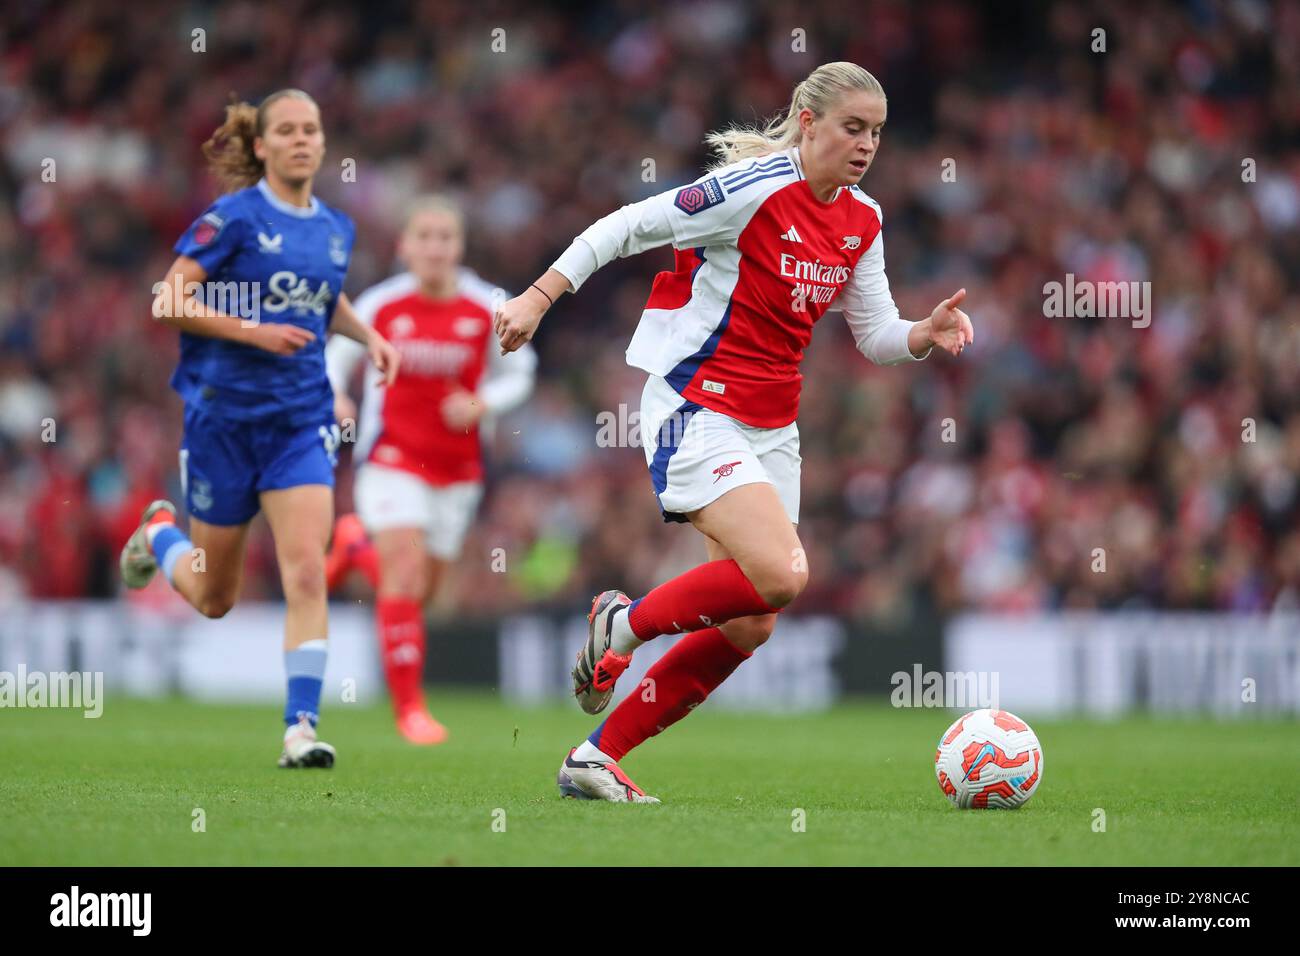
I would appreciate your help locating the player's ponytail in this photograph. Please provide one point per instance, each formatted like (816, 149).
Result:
(817, 93)
(229, 150)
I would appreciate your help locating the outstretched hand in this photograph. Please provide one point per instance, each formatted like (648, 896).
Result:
(950, 327)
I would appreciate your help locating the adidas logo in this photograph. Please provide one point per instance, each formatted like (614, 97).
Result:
(791, 236)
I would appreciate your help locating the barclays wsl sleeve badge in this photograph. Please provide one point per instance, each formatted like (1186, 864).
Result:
(207, 228)
(699, 197)
(338, 251)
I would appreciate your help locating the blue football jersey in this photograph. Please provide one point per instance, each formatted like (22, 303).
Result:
(274, 262)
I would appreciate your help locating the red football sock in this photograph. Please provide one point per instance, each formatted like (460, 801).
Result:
(713, 593)
(400, 623)
(682, 678)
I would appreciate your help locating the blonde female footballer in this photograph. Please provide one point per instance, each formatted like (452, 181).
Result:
(767, 241)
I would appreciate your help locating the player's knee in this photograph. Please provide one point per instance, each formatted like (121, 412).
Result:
(750, 633)
(304, 580)
(779, 586)
(215, 606)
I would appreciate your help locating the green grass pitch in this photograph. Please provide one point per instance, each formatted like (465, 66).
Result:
(122, 790)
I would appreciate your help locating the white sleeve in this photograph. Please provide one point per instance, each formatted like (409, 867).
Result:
(871, 313)
(342, 354)
(701, 214)
(508, 379)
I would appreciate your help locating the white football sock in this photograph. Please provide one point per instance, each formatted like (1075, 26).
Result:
(589, 752)
(621, 639)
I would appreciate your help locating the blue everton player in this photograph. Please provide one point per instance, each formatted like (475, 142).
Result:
(256, 288)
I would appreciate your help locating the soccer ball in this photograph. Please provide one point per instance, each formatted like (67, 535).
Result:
(989, 758)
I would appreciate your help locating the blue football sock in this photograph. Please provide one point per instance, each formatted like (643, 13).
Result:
(168, 544)
(305, 665)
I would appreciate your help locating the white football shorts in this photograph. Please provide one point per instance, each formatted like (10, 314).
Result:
(696, 455)
(391, 498)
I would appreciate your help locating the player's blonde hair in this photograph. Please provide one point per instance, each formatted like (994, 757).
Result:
(435, 202)
(817, 92)
(229, 150)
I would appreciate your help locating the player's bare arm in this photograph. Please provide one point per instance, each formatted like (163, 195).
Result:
(382, 354)
(188, 314)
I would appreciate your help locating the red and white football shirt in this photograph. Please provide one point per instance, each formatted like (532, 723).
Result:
(759, 259)
(446, 345)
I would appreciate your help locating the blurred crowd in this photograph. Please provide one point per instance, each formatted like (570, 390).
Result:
(1061, 462)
